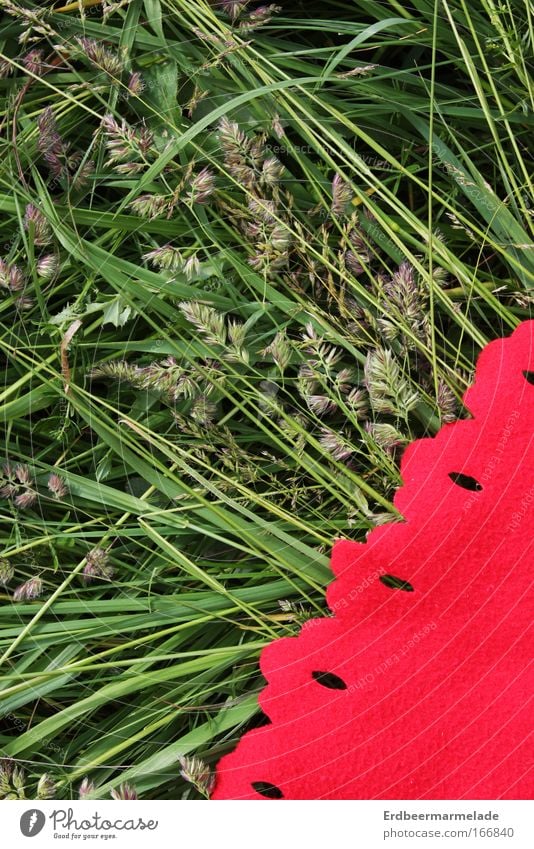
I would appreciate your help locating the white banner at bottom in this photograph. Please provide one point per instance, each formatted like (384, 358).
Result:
(252, 825)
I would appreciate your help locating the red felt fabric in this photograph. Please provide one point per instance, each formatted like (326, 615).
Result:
(437, 680)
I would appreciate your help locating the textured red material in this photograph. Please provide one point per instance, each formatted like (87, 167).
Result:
(428, 690)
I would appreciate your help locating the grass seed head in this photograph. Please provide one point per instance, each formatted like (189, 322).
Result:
(47, 266)
(29, 591)
(42, 232)
(86, 788)
(124, 792)
(6, 571)
(57, 486)
(97, 566)
(46, 787)
(101, 57)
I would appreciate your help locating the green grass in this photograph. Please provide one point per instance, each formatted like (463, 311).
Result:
(220, 412)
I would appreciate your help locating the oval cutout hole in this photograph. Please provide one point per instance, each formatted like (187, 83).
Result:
(396, 583)
(529, 375)
(270, 791)
(330, 680)
(465, 481)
